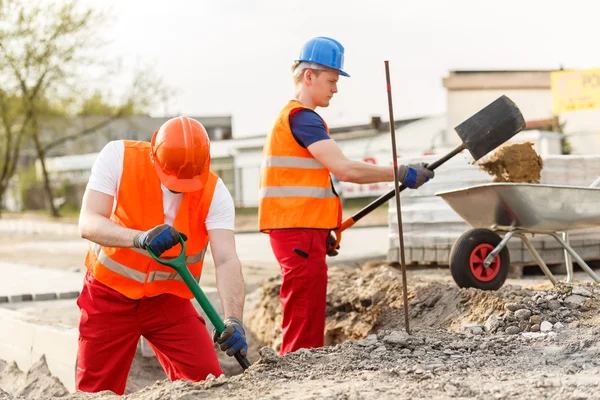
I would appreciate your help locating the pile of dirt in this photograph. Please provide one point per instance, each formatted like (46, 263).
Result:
(361, 301)
(463, 343)
(37, 383)
(515, 162)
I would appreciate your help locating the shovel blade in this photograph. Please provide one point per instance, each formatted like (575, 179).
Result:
(491, 127)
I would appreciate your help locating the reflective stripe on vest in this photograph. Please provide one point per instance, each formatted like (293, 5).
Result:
(192, 259)
(296, 191)
(138, 276)
(291, 162)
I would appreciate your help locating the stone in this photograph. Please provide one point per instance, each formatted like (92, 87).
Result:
(578, 290)
(492, 324)
(574, 324)
(268, 355)
(397, 338)
(512, 330)
(535, 319)
(558, 326)
(545, 326)
(575, 300)
(535, 328)
(513, 306)
(523, 314)
(554, 304)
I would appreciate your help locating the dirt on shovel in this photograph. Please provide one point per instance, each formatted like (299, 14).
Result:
(515, 162)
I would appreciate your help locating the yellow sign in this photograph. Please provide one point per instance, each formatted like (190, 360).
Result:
(575, 90)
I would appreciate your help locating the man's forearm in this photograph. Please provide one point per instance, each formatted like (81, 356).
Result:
(103, 231)
(362, 172)
(231, 287)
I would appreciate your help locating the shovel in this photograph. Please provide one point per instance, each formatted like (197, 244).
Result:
(480, 134)
(178, 264)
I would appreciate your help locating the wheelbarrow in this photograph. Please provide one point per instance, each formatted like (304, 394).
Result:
(179, 264)
(500, 211)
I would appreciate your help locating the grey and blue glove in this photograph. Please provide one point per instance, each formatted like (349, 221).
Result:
(233, 338)
(159, 239)
(414, 175)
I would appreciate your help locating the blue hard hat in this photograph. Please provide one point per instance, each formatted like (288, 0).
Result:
(324, 51)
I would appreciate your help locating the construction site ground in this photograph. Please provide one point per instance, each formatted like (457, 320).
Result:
(527, 340)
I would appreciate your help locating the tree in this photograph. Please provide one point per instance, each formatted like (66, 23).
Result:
(44, 47)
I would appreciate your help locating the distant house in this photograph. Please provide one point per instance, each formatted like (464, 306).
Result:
(468, 91)
(137, 127)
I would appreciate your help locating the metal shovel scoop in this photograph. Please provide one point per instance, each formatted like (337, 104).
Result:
(179, 264)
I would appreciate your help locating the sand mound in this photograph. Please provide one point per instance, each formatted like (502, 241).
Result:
(37, 383)
(514, 163)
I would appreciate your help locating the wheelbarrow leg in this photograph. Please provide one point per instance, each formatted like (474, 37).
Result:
(568, 260)
(579, 260)
(490, 257)
(537, 258)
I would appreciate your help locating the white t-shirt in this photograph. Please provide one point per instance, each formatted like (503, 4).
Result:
(106, 178)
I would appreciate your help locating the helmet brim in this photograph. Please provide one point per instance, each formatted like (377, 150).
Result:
(183, 185)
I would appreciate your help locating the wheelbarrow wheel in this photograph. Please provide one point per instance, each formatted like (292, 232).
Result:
(467, 257)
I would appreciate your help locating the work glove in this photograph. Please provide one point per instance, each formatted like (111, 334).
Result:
(331, 251)
(159, 239)
(414, 175)
(233, 338)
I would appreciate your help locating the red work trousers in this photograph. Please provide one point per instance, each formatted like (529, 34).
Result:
(110, 328)
(301, 255)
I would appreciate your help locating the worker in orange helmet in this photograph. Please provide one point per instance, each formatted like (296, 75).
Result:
(298, 206)
(149, 195)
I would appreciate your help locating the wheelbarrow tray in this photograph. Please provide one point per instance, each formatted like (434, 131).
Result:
(533, 207)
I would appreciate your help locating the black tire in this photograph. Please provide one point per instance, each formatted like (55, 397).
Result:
(465, 267)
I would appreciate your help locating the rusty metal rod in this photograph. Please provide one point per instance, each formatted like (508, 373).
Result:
(397, 191)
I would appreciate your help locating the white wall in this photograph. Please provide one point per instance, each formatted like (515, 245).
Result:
(534, 104)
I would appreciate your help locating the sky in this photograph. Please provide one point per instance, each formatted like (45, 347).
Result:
(233, 57)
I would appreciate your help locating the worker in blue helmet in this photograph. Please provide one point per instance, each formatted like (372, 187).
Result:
(298, 204)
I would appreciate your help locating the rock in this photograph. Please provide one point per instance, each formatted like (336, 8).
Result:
(575, 300)
(397, 338)
(558, 326)
(574, 324)
(524, 326)
(492, 324)
(512, 330)
(578, 290)
(535, 319)
(268, 355)
(513, 306)
(546, 326)
(477, 330)
(522, 314)
(553, 304)
(535, 328)
(450, 389)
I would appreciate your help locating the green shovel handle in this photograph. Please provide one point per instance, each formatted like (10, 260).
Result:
(179, 264)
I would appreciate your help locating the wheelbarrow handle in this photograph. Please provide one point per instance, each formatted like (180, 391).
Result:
(179, 264)
(350, 221)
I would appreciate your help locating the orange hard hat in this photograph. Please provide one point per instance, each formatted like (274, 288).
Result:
(181, 154)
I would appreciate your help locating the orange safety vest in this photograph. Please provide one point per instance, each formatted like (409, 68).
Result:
(131, 271)
(295, 189)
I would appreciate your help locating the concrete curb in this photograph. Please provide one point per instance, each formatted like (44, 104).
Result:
(25, 297)
(25, 343)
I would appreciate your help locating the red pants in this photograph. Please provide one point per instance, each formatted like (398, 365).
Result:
(110, 328)
(301, 255)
